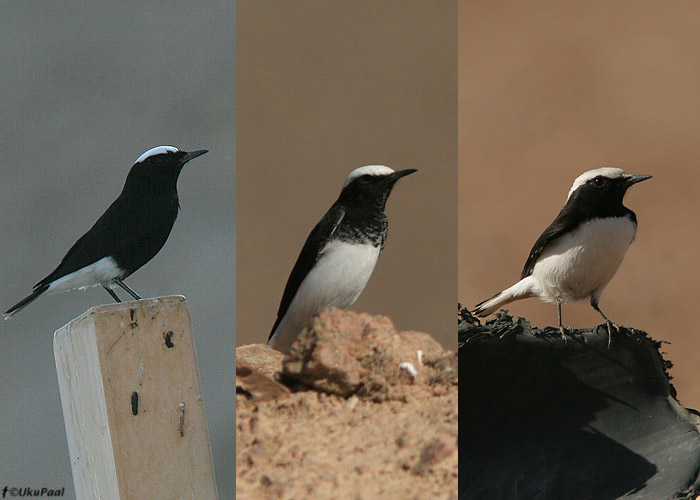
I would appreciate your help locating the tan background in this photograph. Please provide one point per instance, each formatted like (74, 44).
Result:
(325, 87)
(549, 90)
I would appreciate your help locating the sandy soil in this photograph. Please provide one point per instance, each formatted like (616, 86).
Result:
(312, 445)
(293, 442)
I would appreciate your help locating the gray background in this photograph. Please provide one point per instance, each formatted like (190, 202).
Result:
(86, 88)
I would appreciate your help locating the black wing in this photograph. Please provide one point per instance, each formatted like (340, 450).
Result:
(317, 239)
(564, 223)
(126, 224)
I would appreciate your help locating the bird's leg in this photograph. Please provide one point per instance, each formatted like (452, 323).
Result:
(608, 323)
(111, 292)
(128, 290)
(561, 327)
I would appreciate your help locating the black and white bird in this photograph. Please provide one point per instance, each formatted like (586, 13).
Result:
(129, 234)
(579, 253)
(340, 253)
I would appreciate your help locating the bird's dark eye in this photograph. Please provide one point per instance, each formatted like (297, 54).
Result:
(599, 181)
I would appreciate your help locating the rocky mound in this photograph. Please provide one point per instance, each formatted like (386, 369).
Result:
(356, 410)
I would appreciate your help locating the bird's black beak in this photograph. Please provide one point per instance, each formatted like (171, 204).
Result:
(192, 155)
(634, 179)
(401, 173)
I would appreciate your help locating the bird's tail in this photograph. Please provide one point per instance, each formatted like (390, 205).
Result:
(521, 290)
(26, 301)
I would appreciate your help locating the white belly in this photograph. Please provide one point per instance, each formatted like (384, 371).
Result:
(336, 280)
(581, 264)
(101, 272)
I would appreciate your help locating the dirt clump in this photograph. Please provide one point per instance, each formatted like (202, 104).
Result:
(365, 412)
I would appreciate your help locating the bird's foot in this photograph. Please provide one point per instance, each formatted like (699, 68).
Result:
(610, 326)
(564, 333)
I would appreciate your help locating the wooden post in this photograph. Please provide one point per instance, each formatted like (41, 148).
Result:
(132, 403)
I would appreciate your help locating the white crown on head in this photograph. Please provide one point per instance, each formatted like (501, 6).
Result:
(157, 151)
(610, 172)
(367, 170)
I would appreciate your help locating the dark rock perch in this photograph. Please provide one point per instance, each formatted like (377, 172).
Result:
(545, 418)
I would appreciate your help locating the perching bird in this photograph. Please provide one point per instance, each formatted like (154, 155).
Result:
(129, 234)
(579, 253)
(340, 253)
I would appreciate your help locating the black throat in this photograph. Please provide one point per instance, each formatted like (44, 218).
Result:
(362, 225)
(588, 203)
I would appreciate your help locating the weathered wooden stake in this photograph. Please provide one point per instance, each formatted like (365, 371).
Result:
(132, 403)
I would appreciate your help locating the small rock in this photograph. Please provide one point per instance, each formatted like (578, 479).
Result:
(257, 385)
(261, 358)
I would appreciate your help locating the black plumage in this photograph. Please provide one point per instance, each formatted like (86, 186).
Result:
(598, 198)
(357, 217)
(580, 251)
(319, 237)
(130, 232)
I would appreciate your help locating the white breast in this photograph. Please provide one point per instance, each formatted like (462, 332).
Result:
(336, 280)
(582, 263)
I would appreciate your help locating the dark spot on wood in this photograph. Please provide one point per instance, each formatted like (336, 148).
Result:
(168, 339)
(133, 323)
(135, 403)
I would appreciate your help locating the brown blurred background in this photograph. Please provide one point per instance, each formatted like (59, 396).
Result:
(323, 88)
(548, 90)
